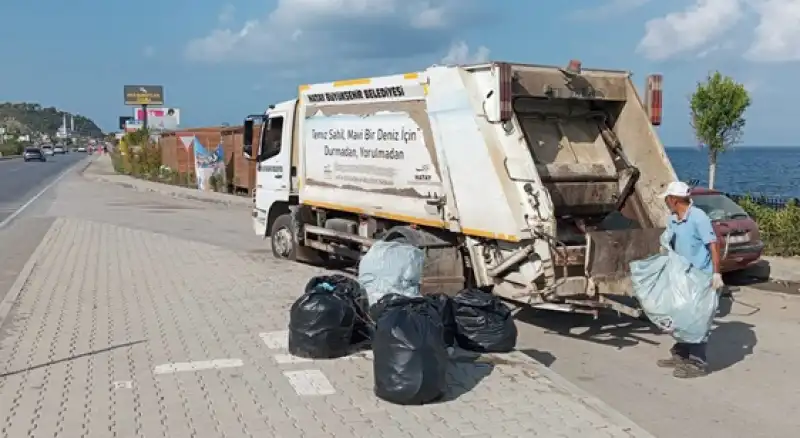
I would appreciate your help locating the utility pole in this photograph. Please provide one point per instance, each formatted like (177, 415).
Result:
(144, 116)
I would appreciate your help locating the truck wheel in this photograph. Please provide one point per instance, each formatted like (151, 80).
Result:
(284, 244)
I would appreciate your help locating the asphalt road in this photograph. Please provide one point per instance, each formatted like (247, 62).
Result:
(19, 181)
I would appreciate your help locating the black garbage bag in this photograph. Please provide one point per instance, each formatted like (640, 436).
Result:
(351, 290)
(410, 359)
(444, 304)
(441, 302)
(324, 321)
(483, 323)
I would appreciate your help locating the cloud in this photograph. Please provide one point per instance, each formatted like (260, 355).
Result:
(777, 35)
(227, 14)
(327, 33)
(690, 30)
(459, 54)
(607, 10)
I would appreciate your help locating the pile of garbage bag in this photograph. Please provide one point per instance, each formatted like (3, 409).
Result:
(675, 296)
(410, 334)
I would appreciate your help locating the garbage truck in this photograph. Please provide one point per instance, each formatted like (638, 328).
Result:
(539, 183)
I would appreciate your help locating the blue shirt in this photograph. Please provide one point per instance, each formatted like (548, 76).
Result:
(691, 237)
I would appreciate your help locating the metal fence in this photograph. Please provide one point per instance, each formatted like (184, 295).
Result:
(776, 202)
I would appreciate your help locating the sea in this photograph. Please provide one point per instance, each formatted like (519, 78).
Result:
(757, 170)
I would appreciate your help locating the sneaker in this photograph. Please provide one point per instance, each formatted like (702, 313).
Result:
(672, 362)
(690, 370)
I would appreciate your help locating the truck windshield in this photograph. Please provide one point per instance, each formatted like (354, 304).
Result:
(719, 207)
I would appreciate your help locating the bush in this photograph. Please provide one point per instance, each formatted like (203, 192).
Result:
(138, 156)
(780, 227)
(10, 148)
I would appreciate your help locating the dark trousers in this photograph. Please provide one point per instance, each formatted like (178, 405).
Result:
(695, 352)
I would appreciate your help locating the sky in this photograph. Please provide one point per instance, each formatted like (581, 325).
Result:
(220, 61)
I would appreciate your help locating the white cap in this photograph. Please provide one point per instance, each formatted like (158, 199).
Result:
(677, 188)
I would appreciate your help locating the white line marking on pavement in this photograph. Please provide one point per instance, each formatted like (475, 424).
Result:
(197, 366)
(276, 340)
(287, 359)
(309, 382)
(61, 176)
(123, 384)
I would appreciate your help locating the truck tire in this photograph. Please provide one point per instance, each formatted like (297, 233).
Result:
(283, 240)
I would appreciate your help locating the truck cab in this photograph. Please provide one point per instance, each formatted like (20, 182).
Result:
(276, 169)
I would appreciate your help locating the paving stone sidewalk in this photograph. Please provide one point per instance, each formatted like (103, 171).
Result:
(102, 170)
(126, 333)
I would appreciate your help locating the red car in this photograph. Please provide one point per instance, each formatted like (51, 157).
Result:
(737, 233)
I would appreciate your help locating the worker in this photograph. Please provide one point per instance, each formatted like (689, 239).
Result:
(692, 236)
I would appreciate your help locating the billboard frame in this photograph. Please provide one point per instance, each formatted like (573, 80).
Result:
(143, 95)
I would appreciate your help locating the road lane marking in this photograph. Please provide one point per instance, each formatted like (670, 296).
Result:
(309, 382)
(199, 365)
(16, 213)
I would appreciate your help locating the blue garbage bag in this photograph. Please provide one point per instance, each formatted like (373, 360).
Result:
(391, 268)
(675, 296)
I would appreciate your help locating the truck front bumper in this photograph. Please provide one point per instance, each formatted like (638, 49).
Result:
(259, 222)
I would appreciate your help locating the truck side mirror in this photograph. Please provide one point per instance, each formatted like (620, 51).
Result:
(247, 139)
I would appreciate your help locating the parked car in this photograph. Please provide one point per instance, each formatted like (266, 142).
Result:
(33, 154)
(737, 233)
(81, 148)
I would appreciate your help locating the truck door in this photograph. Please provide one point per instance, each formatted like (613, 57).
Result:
(273, 183)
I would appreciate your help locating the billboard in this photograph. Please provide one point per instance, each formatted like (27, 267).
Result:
(138, 95)
(133, 125)
(123, 120)
(159, 119)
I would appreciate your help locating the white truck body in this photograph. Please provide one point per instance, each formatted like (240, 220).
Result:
(513, 168)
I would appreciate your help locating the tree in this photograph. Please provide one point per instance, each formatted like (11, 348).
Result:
(718, 106)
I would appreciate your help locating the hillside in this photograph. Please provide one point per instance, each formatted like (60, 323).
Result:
(32, 118)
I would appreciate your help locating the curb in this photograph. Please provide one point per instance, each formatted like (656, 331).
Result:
(25, 274)
(235, 202)
(10, 157)
(626, 425)
(86, 166)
